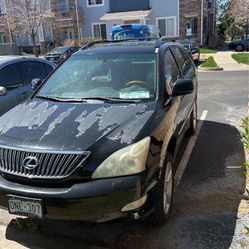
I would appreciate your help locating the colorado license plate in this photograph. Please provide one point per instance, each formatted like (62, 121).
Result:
(29, 207)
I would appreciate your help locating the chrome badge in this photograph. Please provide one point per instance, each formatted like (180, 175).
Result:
(30, 163)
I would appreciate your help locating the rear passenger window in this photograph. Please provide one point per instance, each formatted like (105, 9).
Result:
(10, 77)
(182, 59)
(171, 71)
(33, 69)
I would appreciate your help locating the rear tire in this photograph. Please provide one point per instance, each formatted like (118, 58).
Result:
(239, 48)
(193, 121)
(163, 194)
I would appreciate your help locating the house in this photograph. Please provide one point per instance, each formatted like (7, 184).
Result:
(76, 19)
(69, 20)
(101, 15)
(198, 20)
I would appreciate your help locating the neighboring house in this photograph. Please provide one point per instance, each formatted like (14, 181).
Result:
(101, 15)
(69, 19)
(191, 20)
(75, 19)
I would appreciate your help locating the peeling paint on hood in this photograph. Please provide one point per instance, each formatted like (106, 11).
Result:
(72, 126)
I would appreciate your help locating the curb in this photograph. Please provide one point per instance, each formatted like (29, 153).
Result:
(211, 69)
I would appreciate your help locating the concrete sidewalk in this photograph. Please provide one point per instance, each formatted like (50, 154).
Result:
(225, 60)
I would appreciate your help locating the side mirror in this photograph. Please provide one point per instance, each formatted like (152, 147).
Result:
(35, 83)
(183, 87)
(194, 50)
(3, 91)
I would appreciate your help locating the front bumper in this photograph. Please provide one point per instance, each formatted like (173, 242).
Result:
(96, 200)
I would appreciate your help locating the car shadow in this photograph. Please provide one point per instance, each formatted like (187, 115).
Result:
(204, 214)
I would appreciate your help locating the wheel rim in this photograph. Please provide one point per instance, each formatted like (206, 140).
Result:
(239, 48)
(168, 187)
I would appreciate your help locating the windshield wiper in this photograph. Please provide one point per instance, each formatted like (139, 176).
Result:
(113, 99)
(105, 99)
(60, 99)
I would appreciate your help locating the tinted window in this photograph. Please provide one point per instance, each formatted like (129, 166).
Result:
(181, 59)
(10, 77)
(33, 69)
(73, 50)
(48, 68)
(59, 50)
(171, 71)
(187, 58)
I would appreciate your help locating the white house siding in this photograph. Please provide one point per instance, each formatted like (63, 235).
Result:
(164, 9)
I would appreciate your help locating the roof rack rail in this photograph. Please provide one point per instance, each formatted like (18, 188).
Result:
(91, 44)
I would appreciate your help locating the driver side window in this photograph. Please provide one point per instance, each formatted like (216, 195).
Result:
(171, 72)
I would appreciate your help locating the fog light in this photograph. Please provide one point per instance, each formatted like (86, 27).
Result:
(134, 205)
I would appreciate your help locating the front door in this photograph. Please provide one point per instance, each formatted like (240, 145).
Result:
(67, 34)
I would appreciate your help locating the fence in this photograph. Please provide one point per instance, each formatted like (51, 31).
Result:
(9, 49)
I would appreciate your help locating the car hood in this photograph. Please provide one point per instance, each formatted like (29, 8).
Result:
(46, 125)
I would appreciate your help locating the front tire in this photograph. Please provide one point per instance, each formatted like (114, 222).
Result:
(163, 194)
(239, 48)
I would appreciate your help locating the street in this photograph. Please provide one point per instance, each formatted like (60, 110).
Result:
(205, 211)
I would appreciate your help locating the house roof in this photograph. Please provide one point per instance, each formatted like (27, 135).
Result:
(125, 16)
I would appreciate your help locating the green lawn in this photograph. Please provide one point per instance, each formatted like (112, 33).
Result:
(209, 63)
(208, 51)
(241, 58)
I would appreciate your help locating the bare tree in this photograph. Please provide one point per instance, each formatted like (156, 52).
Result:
(26, 17)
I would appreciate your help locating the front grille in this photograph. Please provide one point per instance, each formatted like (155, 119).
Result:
(51, 165)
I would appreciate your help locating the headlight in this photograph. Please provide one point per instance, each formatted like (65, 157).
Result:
(127, 161)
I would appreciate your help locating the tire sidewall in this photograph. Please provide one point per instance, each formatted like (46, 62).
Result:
(160, 192)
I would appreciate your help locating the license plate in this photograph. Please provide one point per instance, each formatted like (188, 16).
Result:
(29, 207)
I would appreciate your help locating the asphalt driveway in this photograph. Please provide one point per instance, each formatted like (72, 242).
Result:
(207, 207)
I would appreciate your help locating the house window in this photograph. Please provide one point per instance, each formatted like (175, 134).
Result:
(2, 38)
(99, 30)
(91, 3)
(191, 26)
(167, 26)
(62, 6)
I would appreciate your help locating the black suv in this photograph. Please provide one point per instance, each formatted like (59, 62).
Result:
(99, 137)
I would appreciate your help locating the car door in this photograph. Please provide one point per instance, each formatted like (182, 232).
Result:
(171, 75)
(187, 71)
(12, 80)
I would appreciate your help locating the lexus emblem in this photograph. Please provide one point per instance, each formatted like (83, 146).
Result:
(30, 163)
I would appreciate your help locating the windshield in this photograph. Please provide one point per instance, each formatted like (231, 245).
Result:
(59, 50)
(122, 76)
(187, 46)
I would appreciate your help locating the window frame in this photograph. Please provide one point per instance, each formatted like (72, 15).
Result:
(94, 5)
(195, 25)
(99, 24)
(168, 18)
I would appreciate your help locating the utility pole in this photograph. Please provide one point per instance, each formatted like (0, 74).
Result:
(202, 18)
(77, 18)
(247, 30)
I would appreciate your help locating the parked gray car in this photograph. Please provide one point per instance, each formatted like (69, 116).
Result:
(16, 74)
